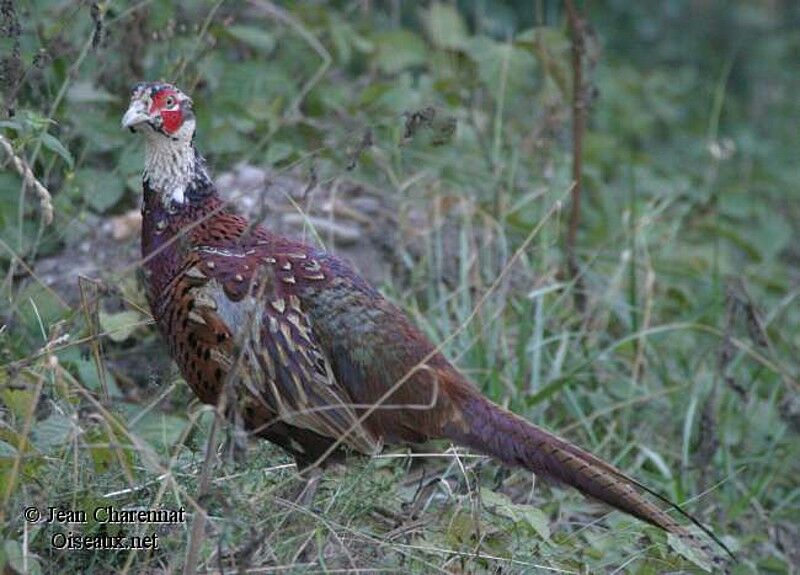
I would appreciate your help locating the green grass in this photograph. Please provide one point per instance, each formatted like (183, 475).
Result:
(682, 369)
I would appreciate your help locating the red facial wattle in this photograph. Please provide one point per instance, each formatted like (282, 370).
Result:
(165, 104)
(171, 120)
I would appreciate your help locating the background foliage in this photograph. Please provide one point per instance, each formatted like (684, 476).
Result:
(682, 368)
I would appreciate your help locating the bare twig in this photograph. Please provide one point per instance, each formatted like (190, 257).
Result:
(71, 74)
(23, 444)
(199, 523)
(195, 55)
(578, 36)
(90, 303)
(25, 172)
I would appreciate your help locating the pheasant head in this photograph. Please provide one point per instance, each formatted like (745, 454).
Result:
(160, 111)
(173, 168)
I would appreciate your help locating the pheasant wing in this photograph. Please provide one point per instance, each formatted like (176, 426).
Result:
(299, 379)
(275, 357)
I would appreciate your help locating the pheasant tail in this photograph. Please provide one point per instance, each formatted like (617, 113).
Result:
(516, 442)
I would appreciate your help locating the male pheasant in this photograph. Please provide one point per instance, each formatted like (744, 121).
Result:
(303, 351)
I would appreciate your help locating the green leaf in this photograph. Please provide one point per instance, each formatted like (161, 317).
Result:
(87, 372)
(340, 38)
(532, 517)
(159, 430)
(658, 461)
(51, 143)
(119, 326)
(52, 432)
(86, 93)
(100, 188)
(254, 37)
(689, 552)
(40, 307)
(15, 561)
(278, 152)
(12, 125)
(101, 133)
(373, 92)
(500, 63)
(7, 451)
(398, 50)
(446, 27)
(37, 121)
(461, 529)
(103, 456)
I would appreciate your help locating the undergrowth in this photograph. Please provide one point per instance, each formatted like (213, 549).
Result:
(680, 366)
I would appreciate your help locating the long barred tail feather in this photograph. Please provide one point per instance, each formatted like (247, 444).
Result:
(516, 442)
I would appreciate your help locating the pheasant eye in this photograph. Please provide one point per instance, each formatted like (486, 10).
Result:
(170, 102)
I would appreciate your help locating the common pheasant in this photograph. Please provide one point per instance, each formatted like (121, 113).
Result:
(307, 354)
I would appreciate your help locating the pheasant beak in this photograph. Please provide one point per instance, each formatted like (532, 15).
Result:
(136, 114)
